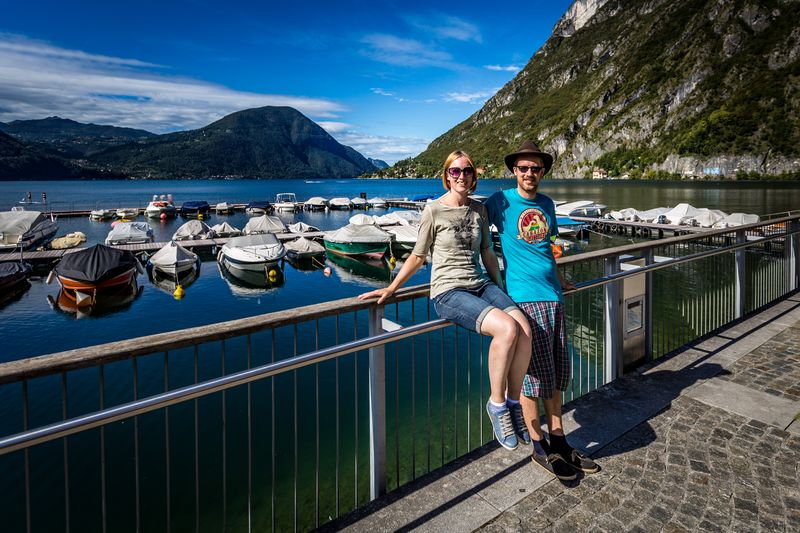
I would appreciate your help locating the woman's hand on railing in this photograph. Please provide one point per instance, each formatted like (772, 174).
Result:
(380, 294)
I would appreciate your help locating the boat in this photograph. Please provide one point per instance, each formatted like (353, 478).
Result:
(365, 271)
(223, 208)
(738, 219)
(170, 283)
(403, 218)
(584, 208)
(421, 197)
(127, 213)
(302, 248)
(24, 229)
(195, 209)
(193, 230)
(302, 227)
(405, 238)
(254, 253)
(173, 260)
(572, 229)
(355, 240)
(250, 284)
(376, 203)
(13, 280)
(707, 218)
(358, 203)
(285, 201)
(130, 233)
(343, 204)
(681, 214)
(225, 230)
(316, 203)
(102, 214)
(86, 274)
(264, 224)
(258, 208)
(70, 240)
(160, 208)
(360, 219)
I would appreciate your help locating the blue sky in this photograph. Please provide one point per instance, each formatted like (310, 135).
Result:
(384, 77)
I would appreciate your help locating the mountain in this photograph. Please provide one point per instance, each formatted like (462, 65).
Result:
(378, 163)
(267, 142)
(20, 161)
(648, 88)
(69, 138)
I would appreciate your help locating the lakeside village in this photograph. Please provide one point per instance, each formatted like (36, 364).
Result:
(105, 274)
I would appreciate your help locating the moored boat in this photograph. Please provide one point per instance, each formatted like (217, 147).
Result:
(584, 208)
(302, 248)
(355, 240)
(264, 224)
(13, 280)
(127, 213)
(377, 203)
(358, 203)
(301, 227)
(316, 203)
(102, 214)
(24, 229)
(161, 209)
(223, 208)
(258, 208)
(195, 209)
(70, 240)
(405, 238)
(343, 204)
(225, 230)
(255, 253)
(285, 201)
(173, 259)
(192, 230)
(130, 233)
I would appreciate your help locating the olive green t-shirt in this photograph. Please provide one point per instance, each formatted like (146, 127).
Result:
(454, 236)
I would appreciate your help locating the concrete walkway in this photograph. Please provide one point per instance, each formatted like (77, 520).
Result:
(708, 439)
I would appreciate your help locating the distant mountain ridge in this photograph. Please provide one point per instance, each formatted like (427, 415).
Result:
(19, 161)
(378, 163)
(648, 88)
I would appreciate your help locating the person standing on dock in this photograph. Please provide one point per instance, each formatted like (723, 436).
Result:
(526, 223)
(44, 197)
(455, 230)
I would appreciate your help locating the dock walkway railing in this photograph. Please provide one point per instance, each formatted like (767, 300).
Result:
(290, 419)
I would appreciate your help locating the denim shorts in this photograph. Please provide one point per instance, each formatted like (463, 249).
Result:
(468, 307)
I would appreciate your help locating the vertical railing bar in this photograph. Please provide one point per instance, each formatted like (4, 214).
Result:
(196, 439)
(413, 397)
(102, 383)
(296, 445)
(355, 408)
(481, 374)
(338, 413)
(26, 457)
(64, 413)
(441, 396)
(469, 391)
(272, 432)
(166, 444)
(249, 438)
(137, 488)
(316, 427)
(428, 383)
(224, 441)
(397, 407)
(455, 395)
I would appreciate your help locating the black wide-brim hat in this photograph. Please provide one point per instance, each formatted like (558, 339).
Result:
(529, 148)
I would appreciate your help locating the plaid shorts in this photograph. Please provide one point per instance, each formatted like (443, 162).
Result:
(549, 368)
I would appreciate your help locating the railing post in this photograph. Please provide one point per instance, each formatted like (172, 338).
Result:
(741, 277)
(649, 258)
(792, 256)
(377, 408)
(613, 326)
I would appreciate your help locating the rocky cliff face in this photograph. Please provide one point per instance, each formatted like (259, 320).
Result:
(691, 87)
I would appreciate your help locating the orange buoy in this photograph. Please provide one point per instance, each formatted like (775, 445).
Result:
(327, 271)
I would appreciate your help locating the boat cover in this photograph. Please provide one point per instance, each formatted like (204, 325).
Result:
(171, 255)
(130, 231)
(194, 229)
(681, 213)
(356, 233)
(652, 215)
(264, 224)
(303, 246)
(14, 271)
(404, 218)
(740, 219)
(361, 219)
(358, 201)
(95, 264)
(201, 205)
(20, 222)
(301, 227)
(259, 204)
(708, 217)
(376, 201)
(404, 234)
(226, 230)
(340, 202)
(318, 201)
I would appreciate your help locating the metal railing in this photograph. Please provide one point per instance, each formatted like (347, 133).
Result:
(290, 419)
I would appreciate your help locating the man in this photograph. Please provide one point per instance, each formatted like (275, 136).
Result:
(526, 223)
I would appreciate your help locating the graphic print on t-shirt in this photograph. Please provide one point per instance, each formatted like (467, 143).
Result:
(464, 230)
(532, 226)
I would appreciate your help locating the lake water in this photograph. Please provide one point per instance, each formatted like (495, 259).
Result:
(31, 326)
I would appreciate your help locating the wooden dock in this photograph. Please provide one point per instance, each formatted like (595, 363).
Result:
(637, 229)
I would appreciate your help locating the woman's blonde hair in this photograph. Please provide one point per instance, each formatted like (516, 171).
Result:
(449, 161)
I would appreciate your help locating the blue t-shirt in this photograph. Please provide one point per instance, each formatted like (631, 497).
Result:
(527, 228)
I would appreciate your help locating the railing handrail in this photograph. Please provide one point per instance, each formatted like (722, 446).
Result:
(160, 342)
(165, 399)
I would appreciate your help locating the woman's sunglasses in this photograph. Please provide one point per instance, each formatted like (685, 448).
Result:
(455, 172)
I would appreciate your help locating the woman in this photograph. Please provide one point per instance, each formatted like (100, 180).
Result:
(455, 230)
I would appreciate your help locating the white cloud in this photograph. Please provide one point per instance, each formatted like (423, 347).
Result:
(508, 68)
(446, 27)
(388, 148)
(382, 92)
(334, 127)
(469, 98)
(395, 50)
(38, 80)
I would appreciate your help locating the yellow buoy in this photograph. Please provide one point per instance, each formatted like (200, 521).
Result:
(179, 292)
(199, 216)
(392, 262)
(273, 275)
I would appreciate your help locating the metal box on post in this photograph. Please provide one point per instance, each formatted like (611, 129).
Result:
(634, 315)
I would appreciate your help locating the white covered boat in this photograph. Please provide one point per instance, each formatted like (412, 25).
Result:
(193, 230)
(253, 253)
(584, 208)
(681, 214)
(405, 238)
(366, 240)
(403, 218)
(302, 227)
(707, 218)
(264, 224)
(738, 219)
(316, 203)
(226, 230)
(302, 248)
(173, 259)
(223, 208)
(24, 229)
(361, 219)
(358, 203)
(653, 215)
(285, 201)
(377, 203)
(130, 233)
(102, 214)
(127, 212)
(340, 203)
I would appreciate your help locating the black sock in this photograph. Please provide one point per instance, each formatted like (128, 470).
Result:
(558, 443)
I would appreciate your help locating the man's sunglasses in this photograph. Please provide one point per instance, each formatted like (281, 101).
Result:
(525, 169)
(455, 172)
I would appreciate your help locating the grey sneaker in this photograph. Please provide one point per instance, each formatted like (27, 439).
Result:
(503, 427)
(520, 429)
